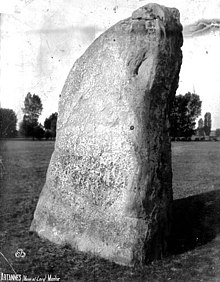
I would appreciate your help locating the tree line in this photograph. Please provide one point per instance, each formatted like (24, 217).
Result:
(204, 126)
(29, 126)
(184, 112)
(185, 109)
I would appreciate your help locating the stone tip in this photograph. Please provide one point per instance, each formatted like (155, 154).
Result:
(153, 11)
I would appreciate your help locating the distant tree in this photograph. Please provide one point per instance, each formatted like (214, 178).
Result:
(32, 110)
(50, 124)
(8, 121)
(207, 123)
(39, 132)
(185, 109)
(26, 128)
(200, 128)
(32, 107)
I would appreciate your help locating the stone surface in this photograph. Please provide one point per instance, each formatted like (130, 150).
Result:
(109, 183)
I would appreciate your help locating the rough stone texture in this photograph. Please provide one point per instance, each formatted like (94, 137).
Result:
(109, 183)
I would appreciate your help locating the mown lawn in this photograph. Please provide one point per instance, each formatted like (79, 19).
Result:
(194, 246)
(196, 168)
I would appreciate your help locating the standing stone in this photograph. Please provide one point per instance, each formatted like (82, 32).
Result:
(108, 189)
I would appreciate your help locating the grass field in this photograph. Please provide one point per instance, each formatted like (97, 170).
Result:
(194, 246)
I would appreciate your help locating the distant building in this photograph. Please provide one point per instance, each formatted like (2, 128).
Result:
(213, 133)
(213, 136)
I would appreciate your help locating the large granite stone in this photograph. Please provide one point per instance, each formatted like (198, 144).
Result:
(109, 183)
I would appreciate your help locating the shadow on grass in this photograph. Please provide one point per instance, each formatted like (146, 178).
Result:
(196, 221)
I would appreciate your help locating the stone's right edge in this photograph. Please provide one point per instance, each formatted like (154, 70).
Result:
(163, 25)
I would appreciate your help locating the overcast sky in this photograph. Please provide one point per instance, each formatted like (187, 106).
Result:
(41, 39)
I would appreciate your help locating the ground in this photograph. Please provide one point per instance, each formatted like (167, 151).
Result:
(194, 245)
